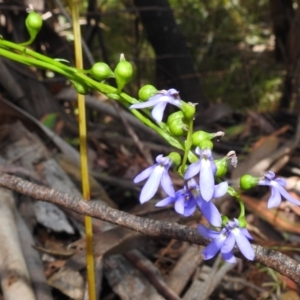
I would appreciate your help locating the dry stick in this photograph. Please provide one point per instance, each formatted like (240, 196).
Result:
(153, 275)
(35, 267)
(15, 281)
(244, 282)
(185, 267)
(270, 258)
(214, 279)
(284, 150)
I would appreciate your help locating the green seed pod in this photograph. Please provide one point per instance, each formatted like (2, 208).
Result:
(175, 158)
(146, 91)
(247, 182)
(205, 144)
(199, 136)
(101, 71)
(221, 165)
(80, 87)
(33, 24)
(189, 110)
(176, 124)
(123, 73)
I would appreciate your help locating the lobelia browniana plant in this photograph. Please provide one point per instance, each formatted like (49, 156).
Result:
(203, 176)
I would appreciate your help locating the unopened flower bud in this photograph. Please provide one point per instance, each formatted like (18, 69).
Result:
(221, 165)
(123, 72)
(188, 110)
(203, 135)
(248, 181)
(175, 158)
(80, 87)
(101, 71)
(33, 24)
(205, 144)
(176, 124)
(146, 91)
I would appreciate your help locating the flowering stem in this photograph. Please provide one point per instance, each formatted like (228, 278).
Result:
(188, 145)
(242, 207)
(32, 58)
(232, 192)
(23, 50)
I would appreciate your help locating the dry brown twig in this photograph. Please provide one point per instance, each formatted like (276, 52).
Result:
(270, 258)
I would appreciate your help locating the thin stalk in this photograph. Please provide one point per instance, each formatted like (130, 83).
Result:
(83, 154)
(188, 146)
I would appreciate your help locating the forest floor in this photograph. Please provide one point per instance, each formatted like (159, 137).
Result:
(46, 244)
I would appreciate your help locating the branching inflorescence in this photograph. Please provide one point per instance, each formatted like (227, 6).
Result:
(203, 176)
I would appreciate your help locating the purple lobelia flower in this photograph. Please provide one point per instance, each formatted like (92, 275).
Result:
(225, 240)
(186, 200)
(156, 174)
(160, 101)
(206, 168)
(277, 190)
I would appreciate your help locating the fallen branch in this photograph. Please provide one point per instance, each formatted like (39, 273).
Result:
(270, 258)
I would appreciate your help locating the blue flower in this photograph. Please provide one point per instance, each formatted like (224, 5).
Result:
(277, 190)
(186, 200)
(160, 101)
(156, 174)
(206, 168)
(225, 240)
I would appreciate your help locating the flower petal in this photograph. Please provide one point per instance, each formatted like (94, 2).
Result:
(179, 205)
(208, 233)
(281, 181)
(206, 182)
(284, 193)
(229, 257)
(270, 175)
(210, 212)
(213, 247)
(152, 184)
(198, 151)
(243, 244)
(246, 233)
(275, 197)
(264, 182)
(220, 189)
(173, 93)
(189, 208)
(144, 174)
(167, 184)
(165, 201)
(175, 102)
(228, 244)
(145, 104)
(158, 111)
(192, 170)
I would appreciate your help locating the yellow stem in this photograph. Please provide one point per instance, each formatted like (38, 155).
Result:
(83, 153)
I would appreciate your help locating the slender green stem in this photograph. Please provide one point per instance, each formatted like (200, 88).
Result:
(32, 58)
(242, 208)
(34, 62)
(24, 50)
(188, 145)
(232, 192)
